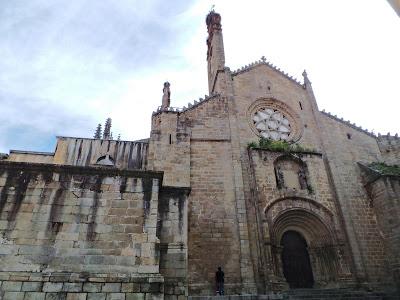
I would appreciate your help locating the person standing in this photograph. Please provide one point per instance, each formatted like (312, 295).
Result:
(219, 278)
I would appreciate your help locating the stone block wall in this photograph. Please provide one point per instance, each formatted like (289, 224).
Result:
(344, 146)
(169, 148)
(172, 229)
(88, 152)
(74, 225)
(385, 200)
(212, 215)
(208, 120)
(217, 212)
(213, 229)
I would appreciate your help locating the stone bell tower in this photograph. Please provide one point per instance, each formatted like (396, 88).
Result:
(215, 48)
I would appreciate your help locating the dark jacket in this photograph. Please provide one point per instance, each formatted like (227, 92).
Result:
(219, 276)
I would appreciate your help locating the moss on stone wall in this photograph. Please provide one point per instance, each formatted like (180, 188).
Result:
(278, 146)
(385, 169)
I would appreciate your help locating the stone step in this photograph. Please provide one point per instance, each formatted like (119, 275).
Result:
(271, 296)
(307, 294)
(343, 294)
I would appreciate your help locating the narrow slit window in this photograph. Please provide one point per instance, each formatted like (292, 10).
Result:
(170, 139)
(301, 106)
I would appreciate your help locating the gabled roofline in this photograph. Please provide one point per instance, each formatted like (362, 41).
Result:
(348, 123)
(263, 61)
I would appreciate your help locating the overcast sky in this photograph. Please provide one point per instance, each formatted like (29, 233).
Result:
(67, 65)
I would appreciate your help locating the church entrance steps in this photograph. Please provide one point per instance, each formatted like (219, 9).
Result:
(343, 294)
(272, 296)
(309, 294)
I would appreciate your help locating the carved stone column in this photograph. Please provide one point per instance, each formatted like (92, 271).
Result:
(315, 266)
(342, 264)
(280, 282)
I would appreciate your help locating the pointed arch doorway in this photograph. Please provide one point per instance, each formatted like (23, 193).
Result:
(296, 260)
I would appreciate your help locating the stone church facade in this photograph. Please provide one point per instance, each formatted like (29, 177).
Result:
(110, 219)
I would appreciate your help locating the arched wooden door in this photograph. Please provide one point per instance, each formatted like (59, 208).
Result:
(296, 261)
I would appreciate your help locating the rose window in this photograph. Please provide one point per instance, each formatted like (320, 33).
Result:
(272, 124)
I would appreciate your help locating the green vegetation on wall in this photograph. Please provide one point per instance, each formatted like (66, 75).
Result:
(385, 169)
(278, 146)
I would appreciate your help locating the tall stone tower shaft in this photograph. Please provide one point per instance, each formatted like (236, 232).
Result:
(215, 48)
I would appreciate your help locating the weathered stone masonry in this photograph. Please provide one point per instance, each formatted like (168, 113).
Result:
(81, 224)
(106, 219)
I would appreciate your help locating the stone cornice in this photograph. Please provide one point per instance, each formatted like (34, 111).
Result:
(87, 170)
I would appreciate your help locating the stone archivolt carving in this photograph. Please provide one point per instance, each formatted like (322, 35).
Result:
(272, 119)
(315, 223)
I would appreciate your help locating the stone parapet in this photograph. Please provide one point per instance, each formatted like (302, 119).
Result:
(92, 152)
